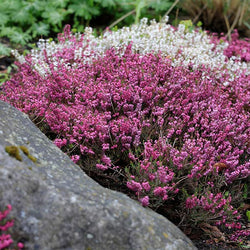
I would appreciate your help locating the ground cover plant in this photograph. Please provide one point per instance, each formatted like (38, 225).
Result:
(5, 239)
(164, 110)
(22, 21)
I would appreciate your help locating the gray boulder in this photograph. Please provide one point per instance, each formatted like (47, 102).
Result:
(57, 206)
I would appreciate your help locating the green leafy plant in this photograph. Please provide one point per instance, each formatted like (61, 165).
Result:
(24, 21)
(5, 76)
(143, 8)
(189, 26)
(248, 215)
(4, 49)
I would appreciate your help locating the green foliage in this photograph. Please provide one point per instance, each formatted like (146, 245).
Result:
(248, 215)
(25, 21)
(188, 25)
(39, 29)
(5, 76)
(245, 192)
(153, 9)
(84, 9)
(4, 50)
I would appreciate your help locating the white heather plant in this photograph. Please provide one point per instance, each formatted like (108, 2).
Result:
(183, 46)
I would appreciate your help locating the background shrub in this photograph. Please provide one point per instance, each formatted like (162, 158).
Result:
(219, 15)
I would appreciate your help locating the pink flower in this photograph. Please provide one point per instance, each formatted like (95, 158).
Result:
(135, 186)
(6, 212)
(165, 197)
(151, 176)
(75, 158)
(5, 239)
(105, 159)
(60, 142)
(101, 166)
(159, 191)
(105, 146)
(7, 225)
(144, 201)
(20, 245)
(83, 149)
(146, 186)
(131, 156)
(190, 203)
(176, 191)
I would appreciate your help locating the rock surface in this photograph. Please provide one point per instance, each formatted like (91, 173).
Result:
(57, 206)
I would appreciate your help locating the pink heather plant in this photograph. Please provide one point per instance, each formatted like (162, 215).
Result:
(237, 48)
(214, 205)
(239, 235)
(5, 239)
(177, 134)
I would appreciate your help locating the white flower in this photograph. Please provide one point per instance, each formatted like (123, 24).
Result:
(181, 47)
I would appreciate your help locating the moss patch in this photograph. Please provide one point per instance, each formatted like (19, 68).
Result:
(13, 151)
(24, 149)
(26, 152)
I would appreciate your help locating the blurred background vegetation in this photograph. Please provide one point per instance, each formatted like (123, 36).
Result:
(220, 15)
(23, 22)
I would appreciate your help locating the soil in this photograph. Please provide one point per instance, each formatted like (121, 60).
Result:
(5, 62)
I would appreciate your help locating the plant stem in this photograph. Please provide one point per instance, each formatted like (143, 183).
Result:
(170, 9)
(121, 18)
